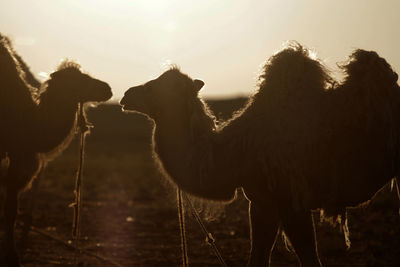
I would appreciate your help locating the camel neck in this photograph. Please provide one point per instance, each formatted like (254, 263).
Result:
(56, 121)
(171, 144)
(194, 164)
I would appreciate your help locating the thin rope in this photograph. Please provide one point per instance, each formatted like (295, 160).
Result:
(84, 129)
(181, 216)
(209, 237)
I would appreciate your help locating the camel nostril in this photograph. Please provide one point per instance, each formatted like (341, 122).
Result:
(127, 93)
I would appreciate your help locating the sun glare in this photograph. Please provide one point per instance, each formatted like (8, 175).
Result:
(221, 42)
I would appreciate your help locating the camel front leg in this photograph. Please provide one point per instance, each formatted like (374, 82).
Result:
(299, 228)
(23, 167)
(10, 214)
(264, 227)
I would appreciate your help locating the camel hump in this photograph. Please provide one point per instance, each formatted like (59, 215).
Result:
(371, 81)
(371, 84)
(15, 74)
(293, 72)
(369, 68)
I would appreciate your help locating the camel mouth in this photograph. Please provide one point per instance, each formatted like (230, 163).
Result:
(107, 96)
(99, 92)
(122, 102)
(107, 93)
(128, 105)
(132, 100)
(127, 108)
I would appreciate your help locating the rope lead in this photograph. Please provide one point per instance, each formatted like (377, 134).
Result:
(181, 217)
(209, 237)
(84, 129)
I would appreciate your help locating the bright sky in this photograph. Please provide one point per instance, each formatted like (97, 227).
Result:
(222, 42)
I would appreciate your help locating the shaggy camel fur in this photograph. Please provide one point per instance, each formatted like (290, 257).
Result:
(36, 131)
(29, 77)
(302, 142)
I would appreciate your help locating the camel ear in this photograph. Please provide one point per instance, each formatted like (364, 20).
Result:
(54, 74)
(57, 73)
(198, 84)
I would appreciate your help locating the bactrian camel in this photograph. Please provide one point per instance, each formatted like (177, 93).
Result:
(304, 141)
(36, 126)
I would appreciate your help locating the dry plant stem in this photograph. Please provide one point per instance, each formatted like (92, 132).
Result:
(83, 127)
(181, 216)
(209, 237)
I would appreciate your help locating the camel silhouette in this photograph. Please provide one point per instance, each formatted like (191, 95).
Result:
(29, 77)
(304, 141)
(37, 125)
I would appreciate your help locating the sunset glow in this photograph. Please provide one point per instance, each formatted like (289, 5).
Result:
(222, 42)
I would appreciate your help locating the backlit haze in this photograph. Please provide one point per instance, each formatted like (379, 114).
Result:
(222, 42)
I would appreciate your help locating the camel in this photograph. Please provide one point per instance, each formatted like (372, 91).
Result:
(37, 126)
(303, 142)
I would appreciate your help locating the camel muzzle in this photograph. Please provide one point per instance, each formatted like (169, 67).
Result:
(106, 93)
(129, 97)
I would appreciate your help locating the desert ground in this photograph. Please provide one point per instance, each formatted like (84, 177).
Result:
(129, 214)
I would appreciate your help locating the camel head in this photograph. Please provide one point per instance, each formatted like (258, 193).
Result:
(170, 95)
(70, 82)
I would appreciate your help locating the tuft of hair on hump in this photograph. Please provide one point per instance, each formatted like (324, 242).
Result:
(68, 64)
(173, 66)
(9, 59)
(369, 67)
(15, 68)
(293, 70)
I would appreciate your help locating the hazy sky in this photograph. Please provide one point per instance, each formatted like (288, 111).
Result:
(222, 42)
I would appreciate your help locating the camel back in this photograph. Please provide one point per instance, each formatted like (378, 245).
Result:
(14, 89)
(312, 129)
(360, 129)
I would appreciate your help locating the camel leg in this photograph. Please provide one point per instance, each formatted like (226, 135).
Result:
(397, 181)
(21, 170)
(10, 213)
(27, 217)
(264, 225)
(299, 227)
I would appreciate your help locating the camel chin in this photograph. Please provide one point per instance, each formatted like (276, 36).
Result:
(128, 107)
(132, 105)
(107, 94)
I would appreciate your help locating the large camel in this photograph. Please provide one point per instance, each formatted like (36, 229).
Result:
(303, 142)
(36, 126)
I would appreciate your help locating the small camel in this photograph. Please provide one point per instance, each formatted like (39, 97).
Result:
(36, 126)
(304, 141)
